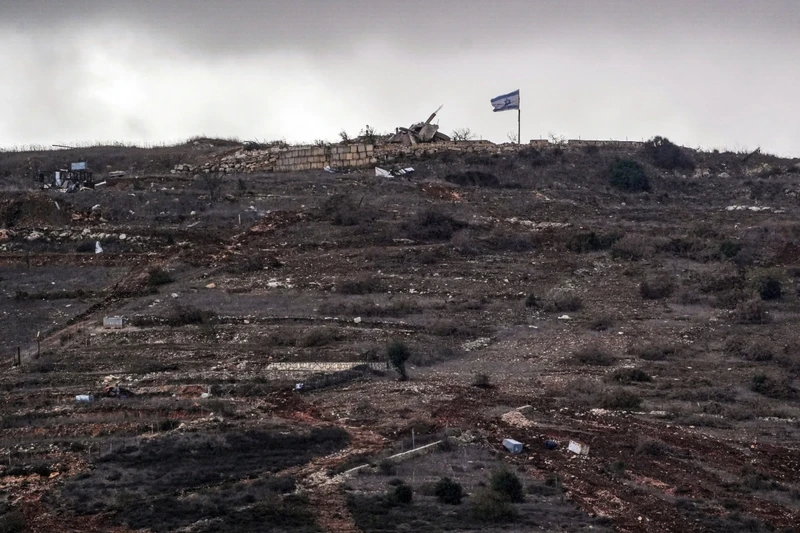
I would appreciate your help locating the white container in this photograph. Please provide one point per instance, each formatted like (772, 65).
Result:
(512, 445)
(578, 447)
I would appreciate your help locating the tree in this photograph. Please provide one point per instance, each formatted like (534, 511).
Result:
(629, 176)
(398, 355)
(508, 484)
(448, 491)
(462, 134)
(667, 155)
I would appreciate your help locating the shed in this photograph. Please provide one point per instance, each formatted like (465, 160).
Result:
(113, 322)
(512, 445)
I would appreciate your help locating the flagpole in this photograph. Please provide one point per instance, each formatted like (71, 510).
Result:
(519, 126)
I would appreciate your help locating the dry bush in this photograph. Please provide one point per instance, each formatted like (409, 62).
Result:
(751, 312)
(591, 241)
(186, 315)
(344, 210)
(626, 376)
(657, 351)
(633, 248)
(652, 447)
(751, 350)
(473, 178)
(619, 399)
(771, 386)
(317, 337)
(593, 355)
(361, 285)
(433, 224)
(509, 241)
(560, 301)
(449, 328)
(656, 288)
(158, 276)
(724, 279)
(601, 322)
(491, 506)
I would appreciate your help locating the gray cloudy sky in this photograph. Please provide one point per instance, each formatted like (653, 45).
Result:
(710, 73)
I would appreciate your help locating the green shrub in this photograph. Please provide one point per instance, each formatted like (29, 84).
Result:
(769, 288)
(729, 249)
(398, 354)
(401, 494)
(85, 248)
(616, 469)
(448, 491)
(508, 485)
(482, 381)
(594, 355)
(490, 506)
(664, 154)
(158, 276)
(628, 176)
(531, 301)
(387, 468)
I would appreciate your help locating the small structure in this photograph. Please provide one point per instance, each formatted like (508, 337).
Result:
(113, 322)
(512, 445)
(578, 447)
(69, 180)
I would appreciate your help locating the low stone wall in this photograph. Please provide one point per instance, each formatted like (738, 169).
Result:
(323, 367)
(345, 156)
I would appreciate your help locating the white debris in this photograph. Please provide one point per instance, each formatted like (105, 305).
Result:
(578, 447)
(565, 317)
(97, 248)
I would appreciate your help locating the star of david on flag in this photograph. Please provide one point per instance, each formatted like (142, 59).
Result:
(506, 102)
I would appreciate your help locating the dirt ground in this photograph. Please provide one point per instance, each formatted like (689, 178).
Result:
(658, 328)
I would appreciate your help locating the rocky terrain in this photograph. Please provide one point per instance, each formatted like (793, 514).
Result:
(639, 300)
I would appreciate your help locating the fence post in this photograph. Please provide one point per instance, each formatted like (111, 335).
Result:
(19, 356)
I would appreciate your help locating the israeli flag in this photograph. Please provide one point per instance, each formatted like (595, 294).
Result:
(506, 102)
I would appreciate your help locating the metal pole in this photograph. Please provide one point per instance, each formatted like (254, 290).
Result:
(519, 126)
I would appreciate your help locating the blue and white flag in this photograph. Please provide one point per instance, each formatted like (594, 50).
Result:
(506, 102)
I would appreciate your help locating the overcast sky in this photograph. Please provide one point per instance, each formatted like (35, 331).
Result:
(710, 73)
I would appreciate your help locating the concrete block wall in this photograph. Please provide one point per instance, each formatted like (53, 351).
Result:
(337, 156)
